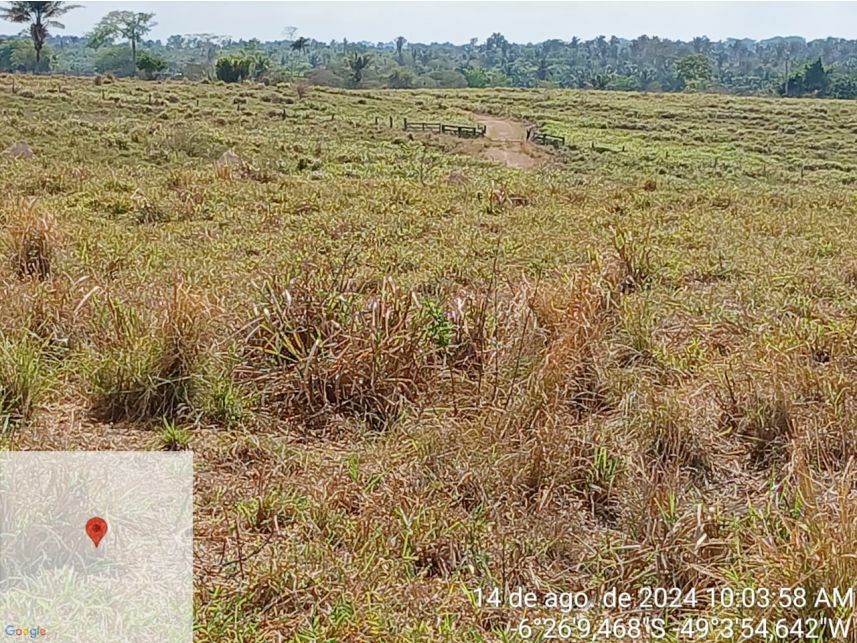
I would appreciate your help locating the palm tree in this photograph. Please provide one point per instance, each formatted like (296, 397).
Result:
(400, 44)
(358, 63)
(40, 15)
(300, 44)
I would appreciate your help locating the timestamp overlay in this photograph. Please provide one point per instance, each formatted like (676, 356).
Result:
(96, 546)
(673, 614)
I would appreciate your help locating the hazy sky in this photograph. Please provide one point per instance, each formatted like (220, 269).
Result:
(459, 21)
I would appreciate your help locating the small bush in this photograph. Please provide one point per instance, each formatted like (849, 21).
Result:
(150, 65)
(233, 68)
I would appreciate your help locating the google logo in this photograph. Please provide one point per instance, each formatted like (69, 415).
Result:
(31, 632)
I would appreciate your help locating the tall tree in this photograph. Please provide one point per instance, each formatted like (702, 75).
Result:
(693, 70)
(400, 44)
(125, 24)
(300, 44)
(815, 78)
(40, 15)
(209, 43)
(358, 63)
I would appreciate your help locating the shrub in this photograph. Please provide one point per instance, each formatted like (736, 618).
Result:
(233, 68)
(150, 64)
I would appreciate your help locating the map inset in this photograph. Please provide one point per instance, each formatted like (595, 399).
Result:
(136, 585)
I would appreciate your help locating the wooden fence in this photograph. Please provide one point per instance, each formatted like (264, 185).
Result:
(464, 131)
(544, 139)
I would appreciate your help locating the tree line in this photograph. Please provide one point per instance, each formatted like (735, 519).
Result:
(787, 66)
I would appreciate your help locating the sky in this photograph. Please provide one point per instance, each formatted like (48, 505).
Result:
(458, 22)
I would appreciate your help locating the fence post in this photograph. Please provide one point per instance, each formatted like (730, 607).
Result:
(405, 126)
(391, 122)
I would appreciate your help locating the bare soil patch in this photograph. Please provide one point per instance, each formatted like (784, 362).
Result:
(507, 143)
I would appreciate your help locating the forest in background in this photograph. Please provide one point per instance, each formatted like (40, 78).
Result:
(788, 66)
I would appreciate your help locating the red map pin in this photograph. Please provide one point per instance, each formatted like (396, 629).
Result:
(96, 528)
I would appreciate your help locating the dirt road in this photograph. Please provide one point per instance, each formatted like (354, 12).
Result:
(507, 142)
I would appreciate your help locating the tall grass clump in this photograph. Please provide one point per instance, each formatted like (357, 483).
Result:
(761, 413)
(670, 439)
(575, 318)
(635, 257)
(149, 370)
(321, 345)
(554, 387)
(32, 240)
(223, 400)
(23, 380)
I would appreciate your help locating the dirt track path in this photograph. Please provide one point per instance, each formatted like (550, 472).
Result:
(508, 142)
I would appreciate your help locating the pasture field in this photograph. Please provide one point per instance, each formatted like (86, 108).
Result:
(408, 371)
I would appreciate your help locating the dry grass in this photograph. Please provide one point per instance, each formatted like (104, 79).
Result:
(407, 372)
(324, 345)
(32, 239)
(149, 369)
